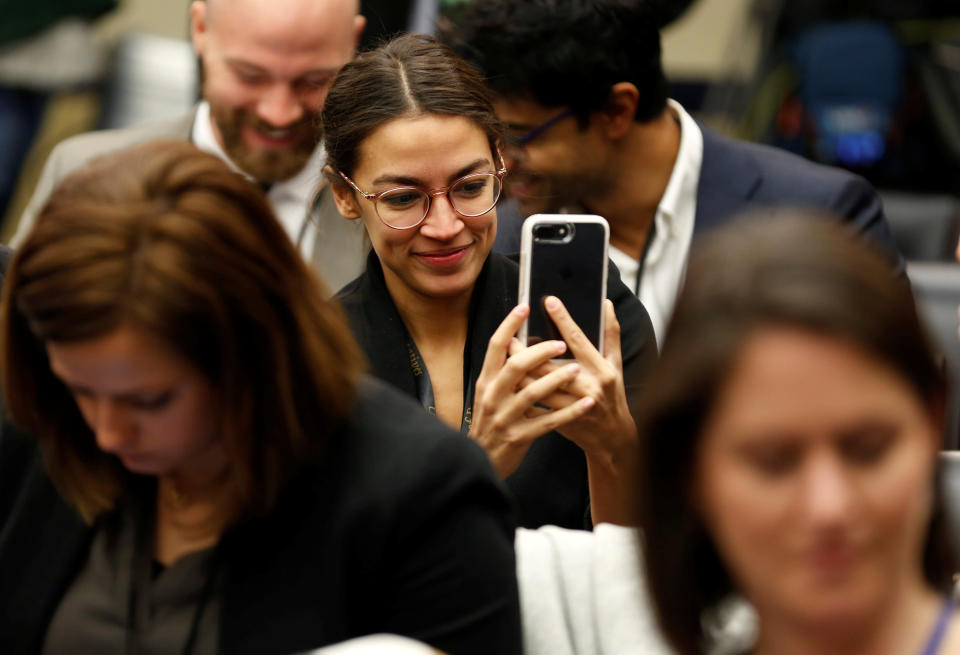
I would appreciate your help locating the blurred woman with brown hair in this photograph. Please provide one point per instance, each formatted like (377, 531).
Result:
(791, 446)
(202, 408)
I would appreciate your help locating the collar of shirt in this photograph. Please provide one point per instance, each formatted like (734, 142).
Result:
(678, 205)
(292, 198)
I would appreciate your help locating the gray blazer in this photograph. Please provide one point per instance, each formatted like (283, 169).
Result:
(337, 253)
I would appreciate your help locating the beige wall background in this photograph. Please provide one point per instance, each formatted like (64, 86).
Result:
(160, 17)
(711, 40)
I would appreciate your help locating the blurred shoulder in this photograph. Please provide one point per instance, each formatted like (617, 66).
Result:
(73, 152)
(783, 173)
(391, 442)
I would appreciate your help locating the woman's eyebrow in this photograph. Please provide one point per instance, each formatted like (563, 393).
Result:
(405, 180)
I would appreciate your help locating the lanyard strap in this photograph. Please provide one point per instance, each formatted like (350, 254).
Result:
(940, 628)
(651, 235)
(421, 378)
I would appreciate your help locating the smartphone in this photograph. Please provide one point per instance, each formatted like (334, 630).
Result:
(564, 255)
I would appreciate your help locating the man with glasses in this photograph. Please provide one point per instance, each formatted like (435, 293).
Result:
(267, 66)
(580, 87)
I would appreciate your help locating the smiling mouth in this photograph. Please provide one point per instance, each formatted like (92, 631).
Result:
(277, 136)
(445, 256)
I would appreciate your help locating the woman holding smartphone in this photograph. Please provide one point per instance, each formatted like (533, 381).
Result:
(207, 469)
(791, 455)
(412, 145)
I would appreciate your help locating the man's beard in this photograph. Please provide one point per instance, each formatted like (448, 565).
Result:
(264, 164)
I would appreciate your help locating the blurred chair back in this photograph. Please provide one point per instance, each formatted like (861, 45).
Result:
(950, 479)
(152, 78)
(940, 77)
(851, 77)
(936, 286)
(925, 227)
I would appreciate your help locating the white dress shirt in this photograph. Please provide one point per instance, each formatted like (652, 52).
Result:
(335, 246)
(666, 262)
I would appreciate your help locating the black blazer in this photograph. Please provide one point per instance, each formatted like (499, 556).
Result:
(403, 528)
(550, 485)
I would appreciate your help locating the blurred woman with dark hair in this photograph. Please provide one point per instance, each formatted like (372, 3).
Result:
(791, 449)
(412, 146)
(217, 476)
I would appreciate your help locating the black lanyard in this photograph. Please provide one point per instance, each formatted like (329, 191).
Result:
(421, 378)
(651, 235)
(140, 564)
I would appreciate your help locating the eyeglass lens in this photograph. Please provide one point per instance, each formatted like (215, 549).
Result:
(471, 196)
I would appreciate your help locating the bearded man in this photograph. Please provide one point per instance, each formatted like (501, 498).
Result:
(267, 66)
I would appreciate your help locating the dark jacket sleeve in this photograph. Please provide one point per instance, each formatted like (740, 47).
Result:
(404, 529)
(454, 572)
(861, 207)
(447, 560)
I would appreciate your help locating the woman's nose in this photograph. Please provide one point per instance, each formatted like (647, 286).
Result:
(828, 491)
(112, 425)
(442, 222)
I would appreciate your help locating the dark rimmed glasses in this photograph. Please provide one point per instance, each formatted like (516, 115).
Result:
(406, 207)
(530, 135)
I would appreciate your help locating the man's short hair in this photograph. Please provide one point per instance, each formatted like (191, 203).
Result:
(566, 52)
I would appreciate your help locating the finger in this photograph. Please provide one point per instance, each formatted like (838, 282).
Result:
(506, 380)
(535, 412)
(557, 418)
(611, 335)
(568, 391)
(543, 370)
(577, 341)
(499, 343)
(548, 367)
(560, 399)
(519, 402)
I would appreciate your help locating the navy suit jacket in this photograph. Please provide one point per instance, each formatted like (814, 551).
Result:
(738, 177)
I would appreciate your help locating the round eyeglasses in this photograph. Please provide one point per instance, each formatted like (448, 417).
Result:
(404, 208)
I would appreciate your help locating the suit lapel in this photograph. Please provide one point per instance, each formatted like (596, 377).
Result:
(729, 177)
(380, 331)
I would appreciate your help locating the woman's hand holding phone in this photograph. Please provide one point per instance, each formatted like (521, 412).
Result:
(606, 433)
(506, 419)
(601, 378)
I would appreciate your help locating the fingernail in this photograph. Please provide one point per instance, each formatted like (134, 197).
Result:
(560, 346)
(552, 302)
(573, 369)
(588, 402)
(520, 310)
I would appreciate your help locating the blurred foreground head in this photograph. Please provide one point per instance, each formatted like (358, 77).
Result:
(161, 254)
(791, 438)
